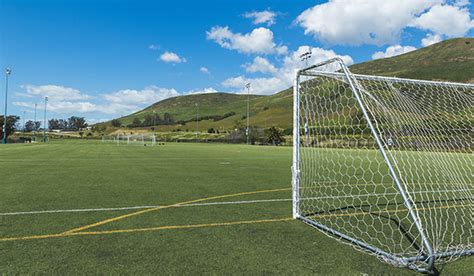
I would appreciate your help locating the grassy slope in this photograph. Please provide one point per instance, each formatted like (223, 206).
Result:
(93, 175)
(451, 60)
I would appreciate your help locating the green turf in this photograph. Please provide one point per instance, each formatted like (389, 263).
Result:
(71, 175)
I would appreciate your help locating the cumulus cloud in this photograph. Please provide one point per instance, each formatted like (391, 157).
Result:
(283, 76)
(448, 20)
(392, 51)
(171, 57)
(204, 70)
(431, 39)
(262, 86)
(149, 94)
(359, 22)
(260, 64)
(258, 41)
(262, 17)
(201, 91)
(54, 92)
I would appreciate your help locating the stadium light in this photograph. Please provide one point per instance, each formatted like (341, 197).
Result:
(306, 56)
(247, 131)
(44, 120)
(8, 72)
(34, 126)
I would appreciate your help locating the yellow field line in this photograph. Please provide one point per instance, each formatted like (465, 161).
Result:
(391, 211)
(209, 224)
(168, 206)
(144, 229)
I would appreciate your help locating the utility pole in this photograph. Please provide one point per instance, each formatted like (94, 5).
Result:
(44, 120)
(306, 56)
(8, 72)
(247, 131)
(34, 126)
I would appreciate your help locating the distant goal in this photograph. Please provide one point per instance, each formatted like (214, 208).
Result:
(385, 164)
(132, 139)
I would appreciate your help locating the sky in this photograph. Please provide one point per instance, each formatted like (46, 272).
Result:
(102, 59)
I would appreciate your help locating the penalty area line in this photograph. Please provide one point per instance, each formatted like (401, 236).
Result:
(113, 219)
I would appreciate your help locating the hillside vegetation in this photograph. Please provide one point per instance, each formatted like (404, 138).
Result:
(451, 60)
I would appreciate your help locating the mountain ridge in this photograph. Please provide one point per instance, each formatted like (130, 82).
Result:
(449, 60)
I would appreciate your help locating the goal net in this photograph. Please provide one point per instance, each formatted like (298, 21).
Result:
(132, 139)
(385, 164)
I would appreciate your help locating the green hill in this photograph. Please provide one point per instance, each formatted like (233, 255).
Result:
(451, 60)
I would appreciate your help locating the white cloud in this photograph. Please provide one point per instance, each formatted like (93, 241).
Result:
(65, 100)
(258, 41)
(448, 20)
(204, 70)
(359, 22)
(154, 47)
(54, 92)
(260, 64)
(201, 91)
(431, 39)
(283, 76)
(262, 17)
(262, 86)
(171, 57)
(392, 51)
(148, 95)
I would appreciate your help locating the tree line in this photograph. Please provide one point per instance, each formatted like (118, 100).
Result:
(155, 120)
(73, 123)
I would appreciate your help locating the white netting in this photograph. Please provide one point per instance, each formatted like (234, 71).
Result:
(344, 181)
(132, 139)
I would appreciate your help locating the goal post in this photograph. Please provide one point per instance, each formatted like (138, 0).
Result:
(131, 139)
(385, 164)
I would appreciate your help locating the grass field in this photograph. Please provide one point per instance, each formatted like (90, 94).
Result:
(184, 235)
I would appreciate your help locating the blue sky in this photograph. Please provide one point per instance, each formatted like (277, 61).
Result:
(103, 59)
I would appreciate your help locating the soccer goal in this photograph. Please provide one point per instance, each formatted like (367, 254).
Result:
(385, 164)
(132, 139)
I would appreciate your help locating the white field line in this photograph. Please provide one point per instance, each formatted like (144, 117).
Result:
(211, 203)
(140, 207)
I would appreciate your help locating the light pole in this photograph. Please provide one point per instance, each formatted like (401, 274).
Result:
(197, 121)
(24, 114)
(306, 56)
(247, 131)
(8, 72)
(44, 120)
(35, 125)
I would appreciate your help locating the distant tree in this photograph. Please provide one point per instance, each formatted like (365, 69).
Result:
(238, 125)
(98, 128)
(29, 126)
(137, 122)
(11, 125)
(274, 135)
(37, 125)
(76, 123)
(116, 123)
(211, 130)
(54, 124)
(168, 118)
